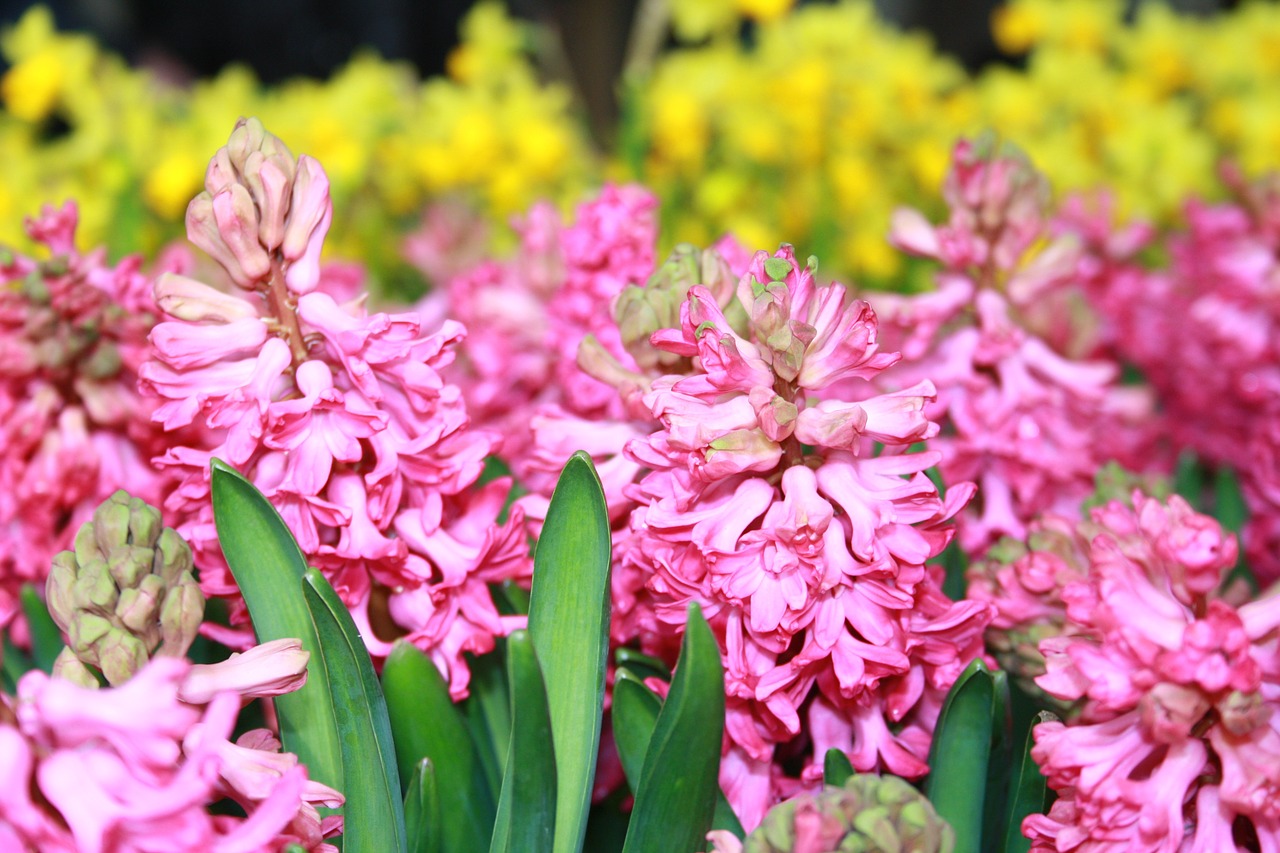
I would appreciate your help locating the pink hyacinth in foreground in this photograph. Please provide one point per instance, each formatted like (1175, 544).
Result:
(801, 524)
(73, 428)
(1029, 424)
(340, 417)
(1177, 744)
(134, 769)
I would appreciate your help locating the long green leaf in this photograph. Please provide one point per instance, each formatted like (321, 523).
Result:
(426, 724)
(999, 763)
(836, 767)
(423, 817)
(676, 797)
(960, 754)
(527, 807)
(46, 639)
(1028, 794)
(488, 714)
(268, 567)
(373, 816)
(635, 714)
(569, 624)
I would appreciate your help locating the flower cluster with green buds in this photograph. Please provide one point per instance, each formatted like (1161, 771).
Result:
(868, 814)
(124, 595)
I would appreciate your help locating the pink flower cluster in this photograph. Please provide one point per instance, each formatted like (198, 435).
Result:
(1177, 743)
(1026, 422)
(72, 426)
(528, 315)
(341, 417)
(1206, 334)
(800, 523)
(134, 768)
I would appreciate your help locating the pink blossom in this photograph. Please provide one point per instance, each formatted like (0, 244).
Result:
(760, 497)
(1177, 739)
(73, 429)
(133, 768)
(268, 669)
(342, 417)
(1026, 422)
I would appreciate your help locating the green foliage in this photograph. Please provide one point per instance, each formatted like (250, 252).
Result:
(569, 624)
(268, 567)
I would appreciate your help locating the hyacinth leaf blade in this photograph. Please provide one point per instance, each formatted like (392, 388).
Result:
(960, 755)
(423, 817)
(675, 800)
(425, 723)
(268, 567)
(642, 665)
(1000, 761)
(374, 811)
(487, 712)
(569, 626)
(1028, 793)
(635, 714)
(46, 639)
(836, 768)
(527, 806)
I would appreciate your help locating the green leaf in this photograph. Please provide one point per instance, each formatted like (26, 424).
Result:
(569, 624)
(426, 724)
(644, 666)
(1229, 507)
(527, 807)
(423, 817)
(488, 714)
(268, 567)
(1028, 794)
(635, 714)
(1001, 758)
(676, 797)
(373, 816)
(960, 754)
(836, 768)
(46, 638)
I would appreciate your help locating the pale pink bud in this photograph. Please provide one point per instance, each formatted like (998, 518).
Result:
(310, 211)
(237, 220)
(196, 302)
(220, 174)
(269, 184)
(269, 669)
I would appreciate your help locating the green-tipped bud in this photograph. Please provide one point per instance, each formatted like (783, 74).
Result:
(869, 814)
(67, 665)
(1113, 482)
(125, 593)
(641, 311)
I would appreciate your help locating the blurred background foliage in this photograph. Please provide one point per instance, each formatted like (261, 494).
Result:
(807, 124)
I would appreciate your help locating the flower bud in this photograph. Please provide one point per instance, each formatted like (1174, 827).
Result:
(187, 299)
(126, 592)
(870, 812)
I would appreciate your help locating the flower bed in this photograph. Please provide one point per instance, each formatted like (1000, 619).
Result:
(609, 546)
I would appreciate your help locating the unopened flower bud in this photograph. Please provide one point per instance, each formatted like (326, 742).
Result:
(641, 311)
(66, 665)
(187, 299)
(237, 221)
(869, 813)
(310, 212)
(126, 592)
